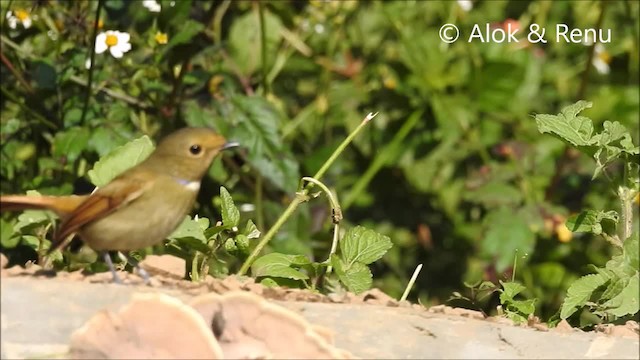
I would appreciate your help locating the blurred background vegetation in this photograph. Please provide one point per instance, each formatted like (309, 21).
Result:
(453, 168)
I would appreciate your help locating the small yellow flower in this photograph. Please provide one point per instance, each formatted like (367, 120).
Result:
(563, 233)
(161, 38)
(20, 15)
(117, 42)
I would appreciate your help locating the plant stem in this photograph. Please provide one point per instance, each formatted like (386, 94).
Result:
(301, 196)
(299, 199)
(93, 55)
(263, 48)
(337, 217)
(342, 146)
(411, 282)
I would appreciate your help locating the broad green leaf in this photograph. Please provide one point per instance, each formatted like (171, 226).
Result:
(357, 277)
(242, 242)
(257, 127)
(120, 159)
(494, 194)
(245, 40)
(577, 130)
(631, 251)
(626, 302)
(230, 213)
(44, 74)
(363, 245)
(507, 234)
(579, 293)
(510, 290)
(9, 238)
(70, 143)
(276, 265)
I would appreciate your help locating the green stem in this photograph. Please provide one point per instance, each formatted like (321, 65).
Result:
(337, 217)
(263, 48)
(342, 146)
(299, 199)
(301, 196)
(85, 108)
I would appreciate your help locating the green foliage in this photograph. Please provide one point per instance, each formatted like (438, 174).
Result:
(453, 168)
(516, 310)
(119, 160)
(612, 292)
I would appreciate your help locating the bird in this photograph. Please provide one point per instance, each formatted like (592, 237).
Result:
(141, 206)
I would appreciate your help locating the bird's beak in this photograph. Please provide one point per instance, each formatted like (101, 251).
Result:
(230, 145)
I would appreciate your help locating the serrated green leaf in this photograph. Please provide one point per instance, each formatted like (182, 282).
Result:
(510, 290)
(230, 213)
(356, 277)
(579, 293)
(363, 245)
(277, 265)
(626, 302)
(631, 251)
(120, 159)
(577, 130)
(590, 221)
(524, 307)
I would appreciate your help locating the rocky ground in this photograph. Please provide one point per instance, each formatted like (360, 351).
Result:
(65, 315)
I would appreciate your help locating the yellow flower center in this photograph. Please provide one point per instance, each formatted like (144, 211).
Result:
(605, 56)
(22, 15)
(161, 38)
(112, 40)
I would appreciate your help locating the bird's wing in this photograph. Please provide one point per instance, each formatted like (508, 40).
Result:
(119, 192)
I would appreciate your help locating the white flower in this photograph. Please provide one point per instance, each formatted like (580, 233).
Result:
(601, 59)
(87, 64)
(117, 42)
(466, 5)
(152, 5)
(19, 15)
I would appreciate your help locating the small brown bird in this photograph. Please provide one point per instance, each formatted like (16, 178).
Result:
(141, 206)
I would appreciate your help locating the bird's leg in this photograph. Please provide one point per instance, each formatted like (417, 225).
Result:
(134, 263)
(107, 259)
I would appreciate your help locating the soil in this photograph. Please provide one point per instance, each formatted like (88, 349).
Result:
(367, 325)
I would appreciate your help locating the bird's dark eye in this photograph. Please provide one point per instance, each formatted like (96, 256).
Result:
(195, 149)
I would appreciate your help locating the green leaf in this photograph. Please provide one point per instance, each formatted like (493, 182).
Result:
(120, 159)
(251, 230)
(510, 290)
(245, 40)
(507, 234)
(257, 130)
(8, 237)
(495, 194)
(590, 221)
(277, 265)
(631, 251)
(579, 293)
(626, 302)
(191, 233)
(357, 277)
(363, 245)
(187, 31)
(577, 130)
(70, 143)
(230, 213)
(525, 307)
(45, 75)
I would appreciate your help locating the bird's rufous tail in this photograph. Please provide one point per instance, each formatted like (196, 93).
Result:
(61, 205)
